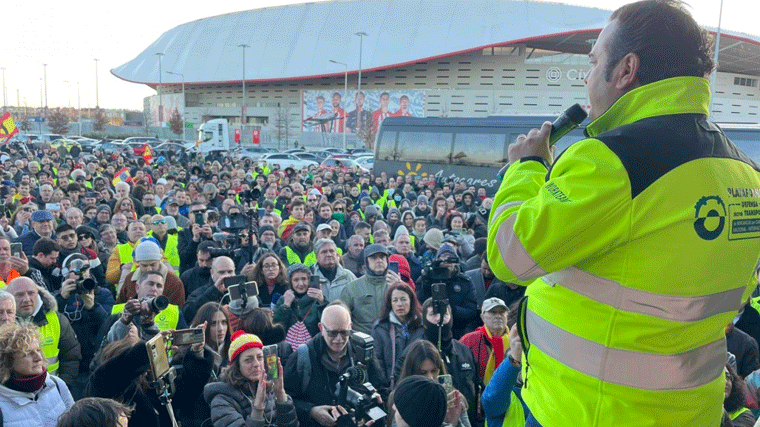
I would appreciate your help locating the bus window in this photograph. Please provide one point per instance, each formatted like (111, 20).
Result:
(429, 147)
(386, 145)
(479, 149)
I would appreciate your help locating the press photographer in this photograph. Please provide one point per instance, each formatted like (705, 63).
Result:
(445, 269)
(313, 373)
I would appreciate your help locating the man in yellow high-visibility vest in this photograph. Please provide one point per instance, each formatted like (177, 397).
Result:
(634, 246)
(57, 338)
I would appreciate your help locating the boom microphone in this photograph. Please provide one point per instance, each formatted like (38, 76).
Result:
(567, 121)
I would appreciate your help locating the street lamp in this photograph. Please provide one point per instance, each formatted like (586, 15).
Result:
(361, 35)
(5, 101)
(183, 99)
(79, 110)
(243, 115)
(97, 104)
(160, 95)
(345, 94)
(714, 75)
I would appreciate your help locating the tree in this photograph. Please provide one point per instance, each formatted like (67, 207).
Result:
(100, 120)
(175, 123)
(25, 124)
(282, 125)
(58, 121)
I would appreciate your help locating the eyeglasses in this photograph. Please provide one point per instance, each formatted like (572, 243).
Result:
(84, 236)
(311, 200)
(118, 220)
(270, 266)
(332, 334)
(198, 211)
(127, 204)
(71, 236)
(28, 210)
(159, 221)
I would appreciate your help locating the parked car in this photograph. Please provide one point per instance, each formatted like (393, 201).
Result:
(253, 153)
(285, 160)
(343, 164)
(88, 144)
(113, 147)
(367, 162)
(359, 151)
(308, 156)
(138, 143)
(294, 150)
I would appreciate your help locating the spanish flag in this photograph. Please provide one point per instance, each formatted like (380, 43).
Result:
(121, 176)
(147, 155)
(7, 127)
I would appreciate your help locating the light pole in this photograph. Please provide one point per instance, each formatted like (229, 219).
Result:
(79, 110)
(243, 115)
(68, 91)
(160, 95)
(345, 94)
(361, 35)
(97, 104)
(183, 99)
(44, 76)
(714, 76)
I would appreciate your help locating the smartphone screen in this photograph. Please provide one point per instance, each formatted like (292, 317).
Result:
(187, 336)
(232, 283)
(16, 249)
(199, 218)
(270, 358)
(393, 266)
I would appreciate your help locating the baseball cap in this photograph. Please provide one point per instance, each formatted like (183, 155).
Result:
(375, 248)
(301, 226)
(324, 227)
(172, 201)
(492, 303)
(39, 216)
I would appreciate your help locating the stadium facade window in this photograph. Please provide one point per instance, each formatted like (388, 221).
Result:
(542, 56)
(743, 81)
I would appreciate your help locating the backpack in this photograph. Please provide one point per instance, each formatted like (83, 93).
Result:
(298, 333)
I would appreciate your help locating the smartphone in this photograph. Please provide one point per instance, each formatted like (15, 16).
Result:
(270, 358)
(438, 291)
(52, 206)
(187, 336)
(237, 287)
(314, 282)
(16, 249)
(448, 386)
(199, 218)
(393, 266)
(158, 357)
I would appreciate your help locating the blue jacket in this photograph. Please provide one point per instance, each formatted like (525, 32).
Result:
(496, 396)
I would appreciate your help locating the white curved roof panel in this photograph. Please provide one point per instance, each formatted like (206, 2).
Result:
(297, 41)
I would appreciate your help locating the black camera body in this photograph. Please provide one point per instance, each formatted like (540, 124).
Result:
(354, 391)
(85, 286)
(436, 271)
(157, 304)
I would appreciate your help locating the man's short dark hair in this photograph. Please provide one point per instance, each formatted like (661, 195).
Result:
(94, 412)
(361, 225)
(666, 38)
(205, 246)
(150, 273)
(46, 246)
(63, 228)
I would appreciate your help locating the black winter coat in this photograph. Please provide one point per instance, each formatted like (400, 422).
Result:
(464, 308)
(381, 333)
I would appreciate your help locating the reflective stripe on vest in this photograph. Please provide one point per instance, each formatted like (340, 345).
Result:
(734, 415)
(515, 416)
(663, 371)
(50, 335)
(165, 319)
(293, 257)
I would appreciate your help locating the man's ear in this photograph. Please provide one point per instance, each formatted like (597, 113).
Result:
(626, 73)
(319, 325)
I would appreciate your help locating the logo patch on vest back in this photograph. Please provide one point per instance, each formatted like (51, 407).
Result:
(710, 217)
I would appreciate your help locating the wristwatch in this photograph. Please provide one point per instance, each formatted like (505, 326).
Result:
(516, 363)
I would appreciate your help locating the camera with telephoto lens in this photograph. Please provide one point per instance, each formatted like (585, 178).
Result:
(436, 271)
(85, 286)
(78, 266)
(354, 391)
(156, 304)
(249, 195)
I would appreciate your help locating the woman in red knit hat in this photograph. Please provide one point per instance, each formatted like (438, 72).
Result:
(245, 393)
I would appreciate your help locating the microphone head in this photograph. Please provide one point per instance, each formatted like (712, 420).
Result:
(576, 113)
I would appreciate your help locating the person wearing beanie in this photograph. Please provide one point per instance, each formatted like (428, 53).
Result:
(445, 269)
(159, 229)
(419, 401)
(422, 209)
(246, 395)
(102, 216)
(364, 296)
(432, 242)
(300, 307)
(149, 257)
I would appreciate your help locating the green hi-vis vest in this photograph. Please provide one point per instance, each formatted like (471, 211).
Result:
(515, 416)
(165, 319)
(293, 257)
(50, 335)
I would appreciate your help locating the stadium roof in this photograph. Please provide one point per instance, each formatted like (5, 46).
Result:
(298, 41)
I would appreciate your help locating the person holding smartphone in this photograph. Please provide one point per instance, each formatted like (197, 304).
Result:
(300, 308)
(243, 395)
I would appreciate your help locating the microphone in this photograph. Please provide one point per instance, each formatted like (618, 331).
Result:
(567, 121)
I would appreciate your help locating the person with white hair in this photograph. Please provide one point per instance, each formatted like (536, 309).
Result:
(7, 308)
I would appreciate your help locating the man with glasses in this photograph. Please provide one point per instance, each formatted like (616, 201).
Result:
(68, 241)
(119, 223)
(123, 190)
(42, 226)
(312, 200)
(312, 373)
(190, 237)
(158, 230)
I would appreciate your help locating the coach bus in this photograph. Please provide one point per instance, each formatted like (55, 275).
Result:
(474, 149)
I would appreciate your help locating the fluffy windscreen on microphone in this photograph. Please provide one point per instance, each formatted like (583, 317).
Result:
(420, 401)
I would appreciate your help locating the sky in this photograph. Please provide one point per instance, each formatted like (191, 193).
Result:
(69, 39)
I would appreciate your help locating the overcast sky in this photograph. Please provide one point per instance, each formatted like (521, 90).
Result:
(68, 36)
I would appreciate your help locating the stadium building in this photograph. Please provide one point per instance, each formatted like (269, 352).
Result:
(432, 58)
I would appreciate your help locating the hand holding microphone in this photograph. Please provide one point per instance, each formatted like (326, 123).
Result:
(538, 143)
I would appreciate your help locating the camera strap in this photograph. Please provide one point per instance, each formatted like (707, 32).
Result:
(393, 356)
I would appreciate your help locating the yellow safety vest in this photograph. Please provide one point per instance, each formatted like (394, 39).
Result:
(165, 319)
(515, 416)
(12, 275)
(171, 253)
(293, 257)
(125, 252)
(734, 415)
(50, 336)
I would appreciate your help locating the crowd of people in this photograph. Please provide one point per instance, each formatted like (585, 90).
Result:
(334, 255)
